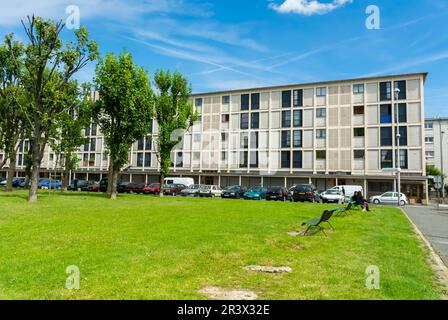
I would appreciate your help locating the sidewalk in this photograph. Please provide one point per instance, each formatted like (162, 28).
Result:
(433, 223)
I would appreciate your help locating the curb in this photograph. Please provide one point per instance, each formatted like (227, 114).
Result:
(443, 269)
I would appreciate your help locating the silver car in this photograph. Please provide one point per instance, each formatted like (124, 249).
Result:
(192, 191)
(389, 198)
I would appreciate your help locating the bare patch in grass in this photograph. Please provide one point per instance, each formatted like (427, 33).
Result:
(228, 294)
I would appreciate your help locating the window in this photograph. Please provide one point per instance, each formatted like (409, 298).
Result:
(386, 159)
(255, 101)
(321, 113)
(140, 144)
(297, 118)
(359, 154)
(225, 118)
(254, 159)
(286, 119)
(93, 133)
(321, 155)
(225, 99)
(358, 110)
(86, 147)
(429, 125)
(321, 134)
(244, 124)
(403, 159)
(321, 92)
(286, 99)
(297, 159)
(402, 112)
(244, 102)
(92, 160)
(429, 139)
(402, 86)
(196, 156)
(85, 159)
(105, 156)
(386, 113)
(223, 155)
(297, 139)
(403, 136)
(244, 140)
(255, 120)
(198, 102)
(87, 131)
(385, 91)
(286, 159)
(429, 154)
(147, 159)
(139, 159)
(254, 140)
(386, 136)
(92, 144)
(298, 98)
(243, 159)
(358, 132)
(224, 136)
(148, 142)
(358, 88)
(286, 139)
(20, 160)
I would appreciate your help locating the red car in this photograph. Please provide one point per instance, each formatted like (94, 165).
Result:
(153, 188)
(95, 187)
(135, 187)
(173, 189)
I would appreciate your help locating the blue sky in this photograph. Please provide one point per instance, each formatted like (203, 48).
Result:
(238, 44)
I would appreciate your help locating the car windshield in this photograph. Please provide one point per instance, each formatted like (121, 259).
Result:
(333, 192)
(255, 189)
(206, 187)
(233, 188)
(195, 186)
(153, 185)
(275, 189)
(303, 188)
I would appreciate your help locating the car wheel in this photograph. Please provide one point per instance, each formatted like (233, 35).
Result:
(376, 201)
(403, 203)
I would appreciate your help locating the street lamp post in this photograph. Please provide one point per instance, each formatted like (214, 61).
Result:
(441, 160)
(397, 128)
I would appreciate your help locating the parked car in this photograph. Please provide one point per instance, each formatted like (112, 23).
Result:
(332, 196)
(82, 185)
(134, 187)
(389, 198)
(305, 192)
(191, 191)
(277, 193)
(185, 181)
(121, 185)
(235, 192)
(153, 188)
(173, 189)
(2, 179)
(45, 183)
(210, 191)
(17, 182)
(349, 190)
(255, 193)
(94, 187)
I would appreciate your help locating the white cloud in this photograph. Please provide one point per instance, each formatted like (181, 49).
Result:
(308, 7)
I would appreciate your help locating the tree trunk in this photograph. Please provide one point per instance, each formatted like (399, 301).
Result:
(161, 181)
(34, 178)
(66, 180)
(11, 171)
(112, 181)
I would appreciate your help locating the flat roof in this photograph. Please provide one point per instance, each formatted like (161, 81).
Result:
(437, 119)
(424, 74)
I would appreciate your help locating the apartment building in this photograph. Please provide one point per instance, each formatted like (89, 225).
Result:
(436, 143)
(326, 133)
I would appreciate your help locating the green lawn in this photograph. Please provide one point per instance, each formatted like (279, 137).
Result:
(144, 247)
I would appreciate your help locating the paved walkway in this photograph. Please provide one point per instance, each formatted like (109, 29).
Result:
(433, 223)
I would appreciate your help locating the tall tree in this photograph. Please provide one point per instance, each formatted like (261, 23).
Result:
(174, 112)
(49, 66)
(12, 96)
(124, 109)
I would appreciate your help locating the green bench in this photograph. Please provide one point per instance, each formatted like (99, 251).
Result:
(317, 222)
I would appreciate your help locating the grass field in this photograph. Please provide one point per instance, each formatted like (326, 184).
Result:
(144, 247)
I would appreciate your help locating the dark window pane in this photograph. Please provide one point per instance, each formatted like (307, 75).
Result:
(245, 102)
(255, 120)
(140, 144)
(286, 139)
(402, 86)
(403, 136)
(386, 113)
(386, 136)
(147, 143)
(244, 121)
(386, 159)
(297, 159)
(286, 99)
(298, 98)
(92, 144)
(254, 159)
(297, 139)
(147, 159)
(402, 112)
(286, 159)
(254, 140)
(404, 159)
(243, 159)
(286, 119)
(255, 101)
(225, 99)
(139, 159)
(297, 118)
(385, 91)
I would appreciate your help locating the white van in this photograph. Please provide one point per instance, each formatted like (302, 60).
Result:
(349, 190)
(185, 181)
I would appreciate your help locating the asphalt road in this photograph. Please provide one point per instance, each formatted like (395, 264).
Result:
(433, 223)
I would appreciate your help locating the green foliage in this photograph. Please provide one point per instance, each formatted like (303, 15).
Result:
(432, 170)
(125, 107)
(174, 113)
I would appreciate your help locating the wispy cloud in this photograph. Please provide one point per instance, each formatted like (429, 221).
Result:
(308, 7)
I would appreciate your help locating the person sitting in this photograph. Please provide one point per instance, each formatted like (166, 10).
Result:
(363, 202)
